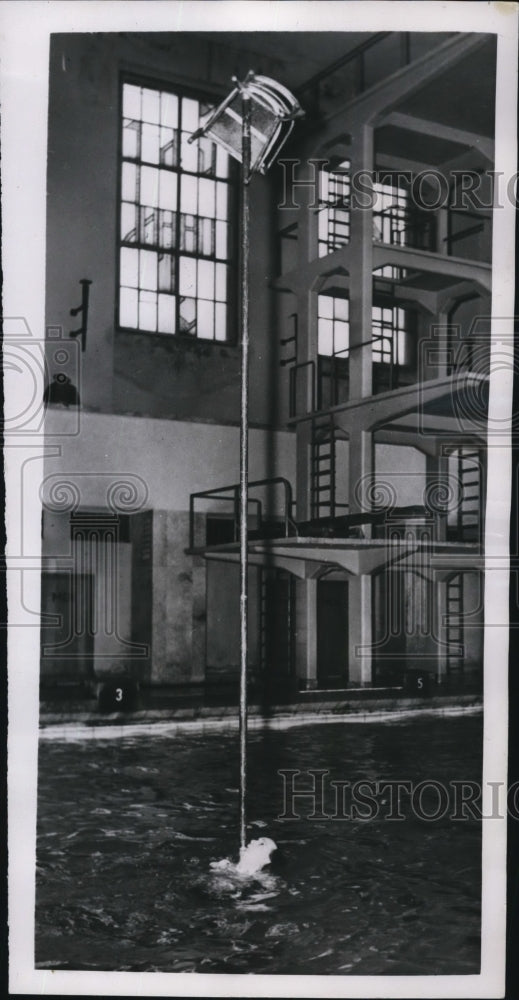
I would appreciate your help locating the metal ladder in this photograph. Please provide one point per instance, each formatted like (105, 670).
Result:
(322, 470)
(455, 629)
(469, 512)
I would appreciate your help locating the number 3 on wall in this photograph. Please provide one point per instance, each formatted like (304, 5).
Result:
(118, 694)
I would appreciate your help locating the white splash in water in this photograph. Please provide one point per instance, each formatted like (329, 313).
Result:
(253, 858)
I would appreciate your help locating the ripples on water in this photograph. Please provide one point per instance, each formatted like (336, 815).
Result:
(127, 829)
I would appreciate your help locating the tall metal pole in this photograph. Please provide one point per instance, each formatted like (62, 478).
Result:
(244, 457)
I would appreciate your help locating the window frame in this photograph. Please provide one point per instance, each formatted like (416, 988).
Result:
(337, 201)
(381, 302)
(400, 337)
(337, 322)
(179, 336)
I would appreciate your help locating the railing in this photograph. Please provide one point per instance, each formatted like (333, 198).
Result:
(429, 525)
(333, 380)
(393, 523)
(350, 525)
(231, 494)
(309, 94)
(405, 227)
(328, 381)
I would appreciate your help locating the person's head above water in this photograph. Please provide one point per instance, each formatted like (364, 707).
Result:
(253, 858)
(255, 855)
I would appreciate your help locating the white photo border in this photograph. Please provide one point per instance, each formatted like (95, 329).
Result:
(26, 28)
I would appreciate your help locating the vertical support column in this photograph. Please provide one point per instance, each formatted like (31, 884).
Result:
(199, 620)
(359, 630)
(303, 471)
(360, 473)
(361, 269)
(442, 231)
(361, 441)
(436, 494)
(439, 354)
(306, 632)
(307, 347)
(440, 630)
(307, 350)
(361, 466)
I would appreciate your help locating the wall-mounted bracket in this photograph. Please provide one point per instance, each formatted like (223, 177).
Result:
(83, 310)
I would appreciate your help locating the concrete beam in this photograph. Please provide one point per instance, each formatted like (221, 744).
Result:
(448, 297)
(423, 126)
(445, 563)
(441, 428)
(308, 272)
(407, 439)
(428, 301)
(392, 90)
(388, 161)
(433, 263)
(375, 412)
(467, 160)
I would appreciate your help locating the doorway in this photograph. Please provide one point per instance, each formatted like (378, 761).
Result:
(332, 633)
(277, 628)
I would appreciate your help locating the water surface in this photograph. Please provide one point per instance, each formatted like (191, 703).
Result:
(127, 829)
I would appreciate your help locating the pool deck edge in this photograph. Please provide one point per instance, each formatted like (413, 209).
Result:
(52, 723)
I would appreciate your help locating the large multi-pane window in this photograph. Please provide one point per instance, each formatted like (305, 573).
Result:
(391, 327)
(334, 208)
(399, 221)
(390, 213)
(392, 352)
(333, 328)
(390, 335)
(333, 334)
(396, 221)
(175, 238)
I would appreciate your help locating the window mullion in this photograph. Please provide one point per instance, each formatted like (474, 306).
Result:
(147, 283)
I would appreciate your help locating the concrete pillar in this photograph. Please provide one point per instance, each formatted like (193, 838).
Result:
(361, 269)
(306, 632)
(306, 335)
(360, 473)
(173, 604)
(442, 230)
(303, 471)
(360, 630)
(199, 621)
(440, 630)
(307, 347)
(436, 360)
(361, 443)
(437, 492)
(199, 606)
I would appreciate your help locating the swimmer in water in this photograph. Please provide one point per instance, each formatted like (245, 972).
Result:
(253, 858)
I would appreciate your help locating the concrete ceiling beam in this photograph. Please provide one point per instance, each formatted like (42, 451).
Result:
(433, 263)
(423, 126)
